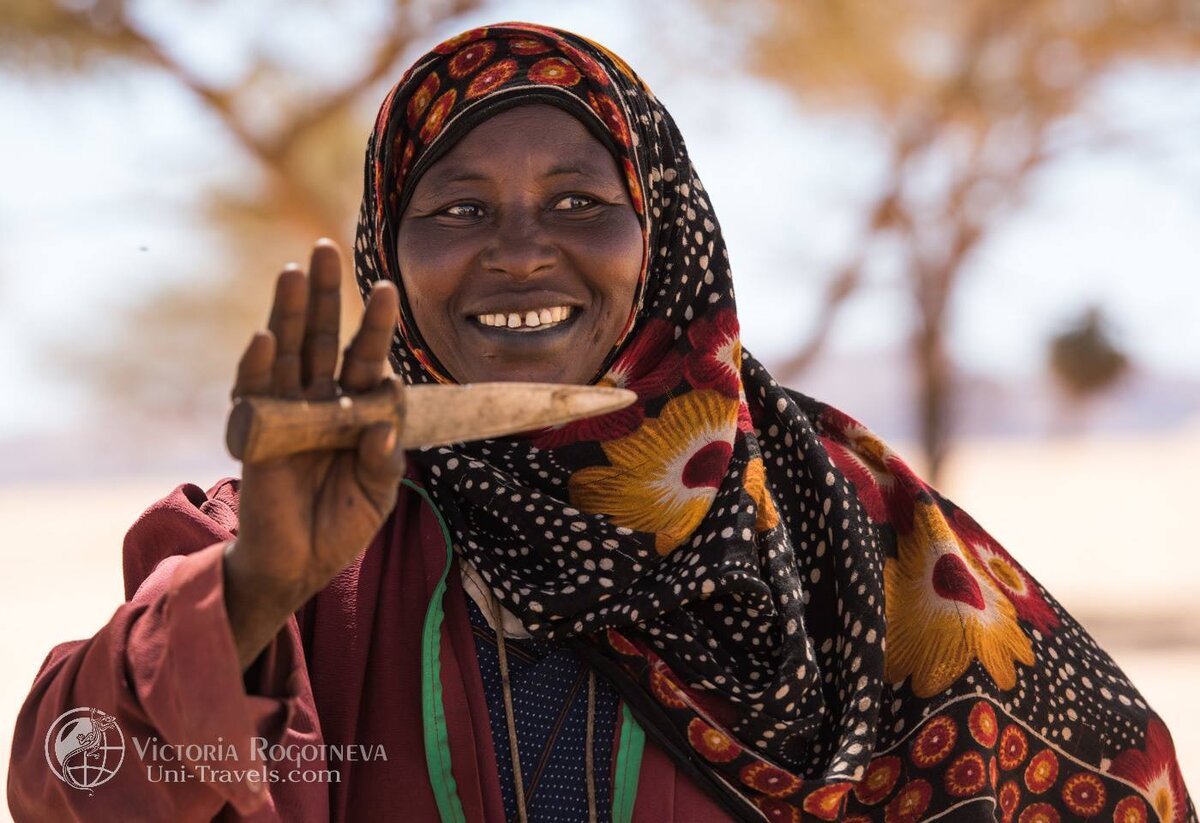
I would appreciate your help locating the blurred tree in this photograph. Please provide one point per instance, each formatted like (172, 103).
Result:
(300, 129)
(1085, 361)
(972, 98)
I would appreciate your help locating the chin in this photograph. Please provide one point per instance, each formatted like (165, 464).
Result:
(527, 373)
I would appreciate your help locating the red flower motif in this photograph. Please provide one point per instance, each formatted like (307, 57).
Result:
(527, 45)
(1155, 771)
(777, 811)
(650, 365)
(1013, 748)
(1006, 572)
(1009, 797)
(825, 803)
(713, 744)
(471, 58)
(1084, 794)
(934, 742)
(620, 644)
(437, 115)
(879, 780)
(554, 71)
(910, 803)
(422, 97)
(606, 108)
(635, 187)
(857, 818)
(982, 723)
(604, 427)
(745, 421)
(1131, 810)
(591, 68)
(1041, 772)
(454, 43)
(769, 780)
(885, 485)
(664, 687)
(715, 361)
(492, 78)
(1039, 813)
(406, 159)
(966, 776)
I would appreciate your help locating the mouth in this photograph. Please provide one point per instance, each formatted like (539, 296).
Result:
(527, 321)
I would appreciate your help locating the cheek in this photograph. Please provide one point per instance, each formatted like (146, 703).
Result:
(616, 263)
(431, 271)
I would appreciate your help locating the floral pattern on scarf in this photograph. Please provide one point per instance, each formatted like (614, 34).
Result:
(733, 555)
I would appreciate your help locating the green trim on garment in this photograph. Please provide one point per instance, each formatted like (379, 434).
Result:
(629, 766)
(437, 736)
(433, 709)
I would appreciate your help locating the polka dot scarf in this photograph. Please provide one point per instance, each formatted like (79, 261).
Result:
(731, 554)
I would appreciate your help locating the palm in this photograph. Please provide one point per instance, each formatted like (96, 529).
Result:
(305, 517)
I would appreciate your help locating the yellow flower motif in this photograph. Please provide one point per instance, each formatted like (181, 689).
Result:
(755, 482)
(663, 477)
(944, 611)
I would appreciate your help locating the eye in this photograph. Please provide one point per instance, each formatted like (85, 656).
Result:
(574, 202)
(466, 210)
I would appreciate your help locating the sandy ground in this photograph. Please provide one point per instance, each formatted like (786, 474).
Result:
(1077, 514)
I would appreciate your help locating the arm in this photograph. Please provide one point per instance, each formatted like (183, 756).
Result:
(166, 668)
(169, 665)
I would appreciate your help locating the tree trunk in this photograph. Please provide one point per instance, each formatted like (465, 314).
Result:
(935, 378)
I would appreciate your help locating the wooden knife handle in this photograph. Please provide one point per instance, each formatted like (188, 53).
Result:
(265, 428)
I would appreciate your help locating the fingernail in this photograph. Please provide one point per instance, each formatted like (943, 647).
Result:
(389, 442)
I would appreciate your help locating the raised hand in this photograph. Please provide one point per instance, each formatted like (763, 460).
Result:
(303, 518)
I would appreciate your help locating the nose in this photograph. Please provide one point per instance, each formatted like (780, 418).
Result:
(519, 247)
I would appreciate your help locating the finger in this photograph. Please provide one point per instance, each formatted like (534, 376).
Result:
(319, 350)
(287, 325)
(380, 464)
(254, 369)
(366, 356)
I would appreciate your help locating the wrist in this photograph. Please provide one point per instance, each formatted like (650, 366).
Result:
(267, 591)
(256, 604)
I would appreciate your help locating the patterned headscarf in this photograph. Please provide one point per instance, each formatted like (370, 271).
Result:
(725, 550)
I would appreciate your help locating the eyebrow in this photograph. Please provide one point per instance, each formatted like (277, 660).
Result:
(472, 176)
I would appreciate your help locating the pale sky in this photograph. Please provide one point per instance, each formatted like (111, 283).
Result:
(98, 177)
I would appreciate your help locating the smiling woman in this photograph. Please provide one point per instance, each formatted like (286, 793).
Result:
(726, 601)
(520, 252)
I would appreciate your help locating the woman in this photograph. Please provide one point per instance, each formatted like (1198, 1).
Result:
(673, 612)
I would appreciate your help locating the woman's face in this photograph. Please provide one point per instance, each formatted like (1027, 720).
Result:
(520, 251)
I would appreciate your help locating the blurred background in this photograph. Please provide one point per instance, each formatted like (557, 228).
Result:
(973, 225)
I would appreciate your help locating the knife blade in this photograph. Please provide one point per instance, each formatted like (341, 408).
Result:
(265, 428)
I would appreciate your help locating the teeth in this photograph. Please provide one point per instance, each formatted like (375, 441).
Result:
(534, 318)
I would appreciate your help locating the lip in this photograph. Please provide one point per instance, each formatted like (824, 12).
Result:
(522, 302)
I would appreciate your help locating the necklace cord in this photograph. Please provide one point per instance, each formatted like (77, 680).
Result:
(509, 716)
(511, 722)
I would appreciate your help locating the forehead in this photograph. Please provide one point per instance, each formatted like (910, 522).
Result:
(537, 138)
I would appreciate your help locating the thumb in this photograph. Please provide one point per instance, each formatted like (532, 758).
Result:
(381, 459)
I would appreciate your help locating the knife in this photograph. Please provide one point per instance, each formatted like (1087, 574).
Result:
(264, 428)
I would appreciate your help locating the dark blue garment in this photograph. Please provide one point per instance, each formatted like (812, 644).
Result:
(549, 694)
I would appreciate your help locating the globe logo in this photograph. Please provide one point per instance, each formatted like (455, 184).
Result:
(84, 748)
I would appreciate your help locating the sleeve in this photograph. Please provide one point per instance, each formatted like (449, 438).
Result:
(152, 717)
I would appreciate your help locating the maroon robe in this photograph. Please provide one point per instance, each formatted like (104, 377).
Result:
(346, 669)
